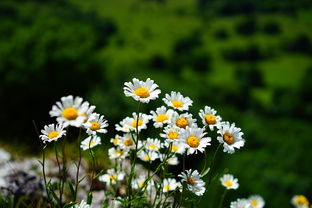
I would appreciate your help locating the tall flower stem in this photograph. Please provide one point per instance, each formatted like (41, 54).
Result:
(60, 175)
(212, 164)
(222, 198)
(64, 167)
(93, 165)
(78, 166)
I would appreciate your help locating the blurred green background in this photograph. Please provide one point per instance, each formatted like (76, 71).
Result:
(249, 59)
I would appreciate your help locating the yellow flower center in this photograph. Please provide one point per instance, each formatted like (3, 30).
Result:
(91, 143)
(174, 148)
(134, 123)
(210, 119)
(162, 118)
(141, 184)
(191, 181)
(95, 126)
(153, 147)
(301, 200)
(254, 203)
(53, 134)
(115, 141)
(228, 183)
(182, 123)
(173, 135)
(177, 103)
(113, 177)
(228, 138)
(193, 141)
(119, 153)
(167, 187)
(70, 113)
(128, 142)
(146, 157)
(142, 92)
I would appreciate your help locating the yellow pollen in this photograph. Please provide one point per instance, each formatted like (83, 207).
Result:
(119, 153)
(146, 157)
(191, 181)
(142, 92)
(254, 203)
(182, 123)
(167, 187)
(115, 141)
(228, 183)
(228, 138)
(162, 118)
(53, 134)
(173, 135)
(91, 143)
(95, 126)
(134, 123)
(113, 177)
(210, 119)
(301, 200)
(141, 184)
(152, 146)
(128, 142)
(174, 148)
(177, 103)
(193, 141)
(70, 113)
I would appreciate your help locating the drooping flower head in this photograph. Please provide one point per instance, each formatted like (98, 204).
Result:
(229, 182)
(90, 142)
(209, 117)
(230, 136)
(52, 132)
(256, 201)
(141, 91)
(177, 101)
(96, 124)
(161, 116)
(194, 183)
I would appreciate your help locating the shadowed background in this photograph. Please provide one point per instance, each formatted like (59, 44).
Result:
(250, 60)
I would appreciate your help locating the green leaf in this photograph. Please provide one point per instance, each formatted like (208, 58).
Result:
(71, 204)
(205, 172)
(90, 196)
(99, 174)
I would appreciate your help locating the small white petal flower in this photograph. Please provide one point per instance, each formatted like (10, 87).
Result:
(86, 110)
(299, 200)
(170, 184)
(90, 142)
(161, 116)
(148, 156)
(183, 120)
(256, 201)
(150, 144)
(240, 203)
(127, 142)
(177, 101)
(52, 132)
(173, 160)
(194, 183)
(177, 147)
(116, 140)
(141, 91)
(131, 123)
(209, 117)
(230, 136)
(96, 124)
(117, 153)
(229, 182)
(171, 133)
(83, 204)
(194, 139)
(111, 177)
(69, 111)
(139, 183)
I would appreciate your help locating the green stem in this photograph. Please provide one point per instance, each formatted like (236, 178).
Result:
(78, 166)
(222, 198)
(212, 164)
(60, 175)
(92, 164)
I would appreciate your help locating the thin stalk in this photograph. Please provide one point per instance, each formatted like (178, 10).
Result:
(222, 198)
(93, 165)
(78, 166)
(60, 175)
(212, 164)
(64, 166)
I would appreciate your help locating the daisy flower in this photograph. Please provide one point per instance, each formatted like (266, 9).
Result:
(116, 140)
(194, 183)
(171, 161)
(299, 200)
(171, 133)
(52, 132)
(229, 182)
(111, 177)
(127, 142)
(231, 137)
(141, 91)
(256, 201)
(69, 111)
(96, 123)
(117, 153)
(138, 183)
(150, 144)
(177, 147)
(240, 203)
(209, 117)
(87, 110)
(83, 204)
(130, 123)
(183, 120)
(90, 142)
(161, 116)
(194, 140)
(148, 156)
(177, 101)
(170, 184)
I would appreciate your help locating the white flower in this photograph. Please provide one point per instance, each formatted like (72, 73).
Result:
(111, 177)
(150, 144)
(209, 117)
(170, 184)
(240, 203)
(194, 183)
(148, 156)
(194, 140)
(83, 204)
(256, 201)
(69, 111)
(177, 147)
(138, 183)
(4, 156)
(171, 133)
(87, 110)
(130, 123)
(230, 136)
(183, 120)
(127, 142)
(117, 153)
(141, 91)
(90, 142)
(161, 116)
(177, 101)
(173, 160)
(299, 200)
(52, 132)
(229, 182)
(96, 123)
(116, 140)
